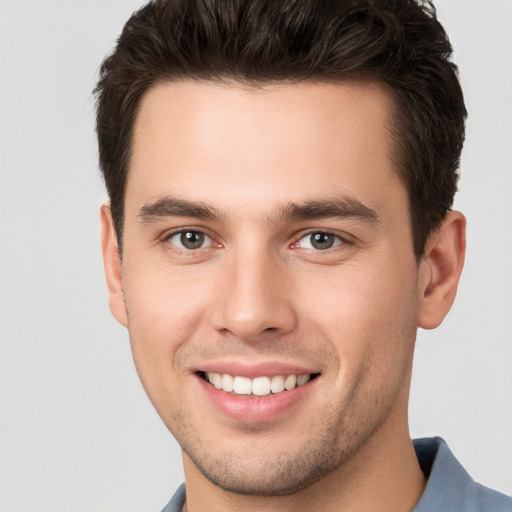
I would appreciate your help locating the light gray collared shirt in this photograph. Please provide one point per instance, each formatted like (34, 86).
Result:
(449, 487)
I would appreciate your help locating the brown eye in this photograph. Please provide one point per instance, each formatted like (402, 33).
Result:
(319, 241)
(189, 239)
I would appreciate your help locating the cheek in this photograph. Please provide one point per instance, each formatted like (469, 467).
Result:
(164, 312)
(365, 311)
(163, 299)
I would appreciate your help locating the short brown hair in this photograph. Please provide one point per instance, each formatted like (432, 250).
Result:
(397, 43)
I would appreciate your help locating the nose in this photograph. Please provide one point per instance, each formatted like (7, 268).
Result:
(254, 297)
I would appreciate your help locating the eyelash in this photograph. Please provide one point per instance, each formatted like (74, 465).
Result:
(186, 251)
(339, 240)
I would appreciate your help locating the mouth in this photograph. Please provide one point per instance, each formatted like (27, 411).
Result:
(259, 386)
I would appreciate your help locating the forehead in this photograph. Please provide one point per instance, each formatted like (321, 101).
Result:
(229, 143)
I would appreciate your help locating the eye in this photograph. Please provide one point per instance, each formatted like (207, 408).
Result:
(190, 239)
(319, 241)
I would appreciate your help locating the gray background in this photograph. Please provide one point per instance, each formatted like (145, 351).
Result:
(76, 430)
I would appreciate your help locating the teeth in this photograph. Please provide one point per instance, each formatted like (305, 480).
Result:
(242, 386)
(277, 384)
(259, 386)
(227, 382)
(290, 382)
(217, 380)
(302, 379)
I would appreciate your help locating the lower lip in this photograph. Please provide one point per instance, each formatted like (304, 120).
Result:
(255, 409)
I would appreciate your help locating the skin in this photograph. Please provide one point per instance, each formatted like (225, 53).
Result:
(258, 292)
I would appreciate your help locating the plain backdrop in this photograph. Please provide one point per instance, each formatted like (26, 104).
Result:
(76, 430)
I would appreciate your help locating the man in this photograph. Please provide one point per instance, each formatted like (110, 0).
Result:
(281, 175)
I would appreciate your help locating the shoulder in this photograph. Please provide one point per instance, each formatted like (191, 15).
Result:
(449, 487)
(177, 501)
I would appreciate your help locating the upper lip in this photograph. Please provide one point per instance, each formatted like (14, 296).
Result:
(252, 370)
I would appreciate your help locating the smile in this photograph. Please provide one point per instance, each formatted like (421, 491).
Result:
(258, 386)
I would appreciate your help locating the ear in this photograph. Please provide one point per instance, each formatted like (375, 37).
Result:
(440, 270)
(112, 264)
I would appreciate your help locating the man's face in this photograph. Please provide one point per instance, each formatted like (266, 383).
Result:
(267, 238)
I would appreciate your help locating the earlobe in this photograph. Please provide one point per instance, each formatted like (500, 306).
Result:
(440, 270)
(112, 265)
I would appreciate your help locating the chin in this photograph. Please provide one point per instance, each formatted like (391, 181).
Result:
(265, 471)
(263, 478)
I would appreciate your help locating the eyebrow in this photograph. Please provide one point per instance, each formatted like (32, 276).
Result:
(173, 207)
(340, 207)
